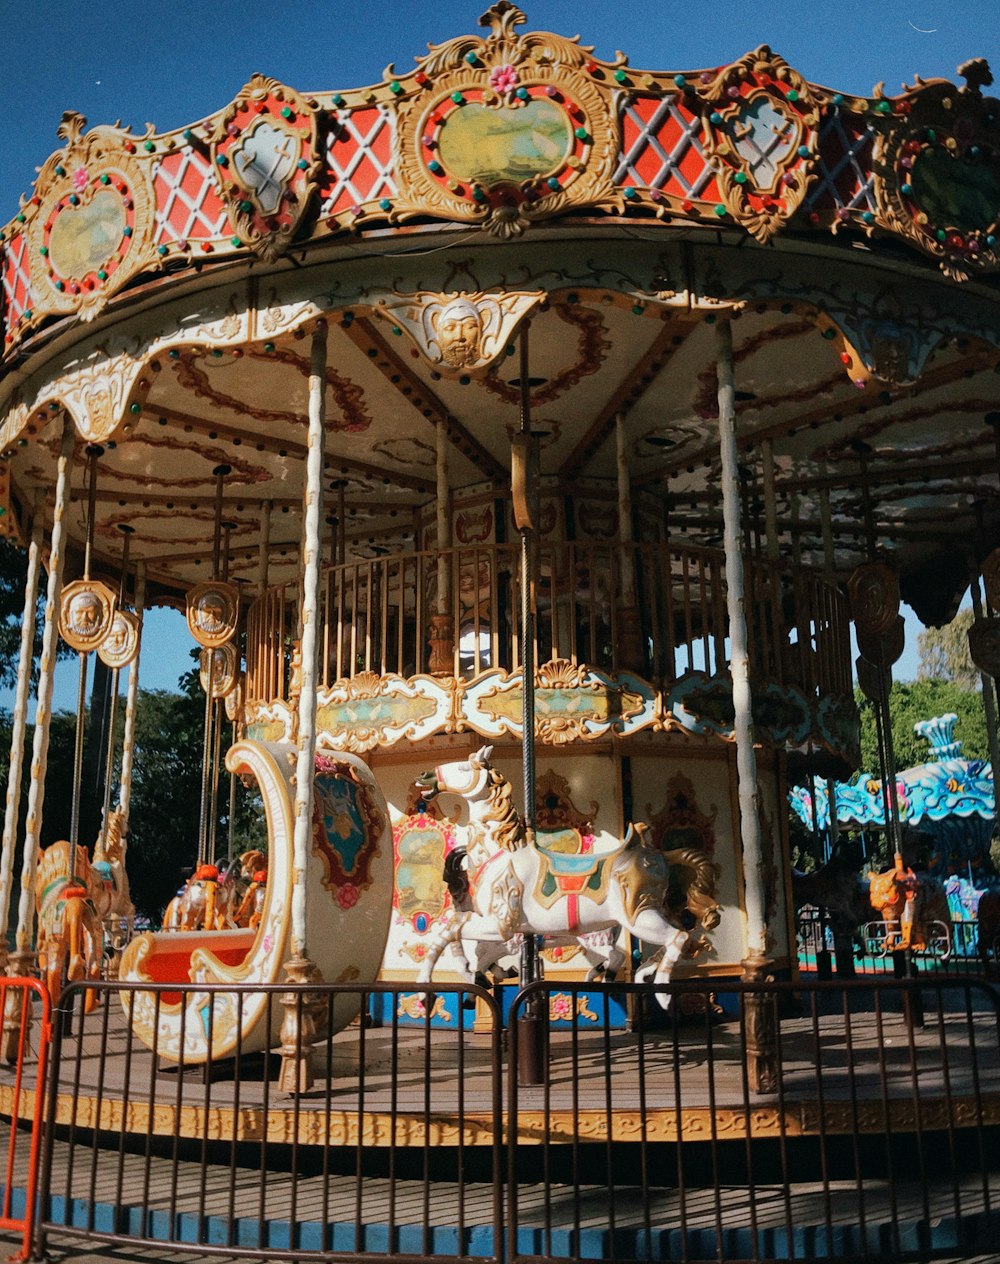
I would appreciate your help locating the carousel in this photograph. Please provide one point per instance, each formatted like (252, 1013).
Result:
(534, 418)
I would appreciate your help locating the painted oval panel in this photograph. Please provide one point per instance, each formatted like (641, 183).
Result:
(82, 238)
(956, 192)
(505, 146)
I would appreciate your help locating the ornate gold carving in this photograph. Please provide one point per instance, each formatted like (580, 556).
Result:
(462, 332)
(557, 147)
(935, 169)
(121, 645)
(86, 610)
(411, 1005)
(213, 611)
(265, 154)
(764, 141)
(89, 224)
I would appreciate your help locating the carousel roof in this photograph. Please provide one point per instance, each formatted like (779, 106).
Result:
(159, 286)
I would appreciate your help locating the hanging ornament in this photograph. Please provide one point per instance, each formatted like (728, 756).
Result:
(984, 645)
(213, 611)
(86, 611)
(225, 669)
(234, 702)
(990, 568)
(121, 645)
(883, 649)
(869, 679)
(873, 591)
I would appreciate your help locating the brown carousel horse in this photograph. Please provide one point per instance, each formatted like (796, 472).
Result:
(70, 937)
(210, 896)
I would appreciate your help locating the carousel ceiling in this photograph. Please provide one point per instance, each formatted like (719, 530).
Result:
(161, 290)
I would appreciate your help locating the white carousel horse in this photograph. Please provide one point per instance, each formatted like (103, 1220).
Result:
(519, 888)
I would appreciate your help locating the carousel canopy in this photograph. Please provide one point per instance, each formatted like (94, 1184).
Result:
(158, 286)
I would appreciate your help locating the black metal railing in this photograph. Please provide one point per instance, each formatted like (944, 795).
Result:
(778, 1121)
(877, 946)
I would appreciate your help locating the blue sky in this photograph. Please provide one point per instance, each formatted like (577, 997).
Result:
(171, 64)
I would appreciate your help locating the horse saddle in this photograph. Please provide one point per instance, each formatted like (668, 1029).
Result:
(567, 873)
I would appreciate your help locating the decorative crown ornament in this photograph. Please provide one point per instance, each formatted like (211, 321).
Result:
(89, 223)
(265, 154)
(504, 130)
(762, 132)
(937, 179)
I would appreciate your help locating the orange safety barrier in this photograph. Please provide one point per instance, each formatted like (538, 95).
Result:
(24, 1106)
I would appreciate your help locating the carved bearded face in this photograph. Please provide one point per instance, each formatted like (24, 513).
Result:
(460, 330)
(84, 614)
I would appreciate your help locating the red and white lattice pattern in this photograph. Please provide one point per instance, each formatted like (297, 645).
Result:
(16, 280)
(844, 176)
(188, 205)
(359, 157)
(662, 149)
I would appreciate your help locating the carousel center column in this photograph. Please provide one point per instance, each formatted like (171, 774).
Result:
(759, 1013)
(299, 1028)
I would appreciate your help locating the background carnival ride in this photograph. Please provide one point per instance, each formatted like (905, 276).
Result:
(559, 255)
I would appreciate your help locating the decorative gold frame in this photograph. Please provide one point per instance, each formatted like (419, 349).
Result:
(89, 593)
(763, 211)
(225, 681)
(227, 602)
(958, 122)
(98, 164)
(505, 71)
(121, 645)
(266, 103)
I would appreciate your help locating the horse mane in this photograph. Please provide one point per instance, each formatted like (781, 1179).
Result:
(109, 840)
(508, 828)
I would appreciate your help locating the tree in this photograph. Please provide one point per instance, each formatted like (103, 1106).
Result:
(944, 653)
(13, 574)
(922, 700)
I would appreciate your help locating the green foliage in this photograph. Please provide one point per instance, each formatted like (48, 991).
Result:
(944, 653)
(921, 700)
(166, 793)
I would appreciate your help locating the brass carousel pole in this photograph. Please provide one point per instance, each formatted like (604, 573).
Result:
(533, 1024)
(23, 958)
(20, 719)
(299, 1026)
(217, 713)
(94, 451)
(220, 473)
(760, 1017)
(131, 703)
(109, 759)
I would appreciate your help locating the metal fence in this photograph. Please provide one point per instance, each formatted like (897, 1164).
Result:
(21, 1107)
(877, 947)
(876, 1137)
